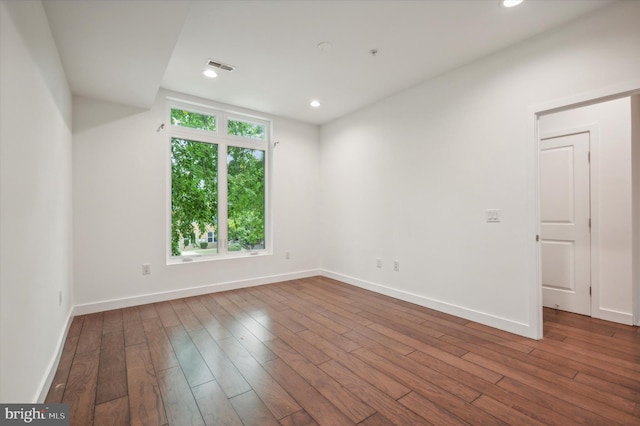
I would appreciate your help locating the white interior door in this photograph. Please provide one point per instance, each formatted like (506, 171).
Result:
(564, 215)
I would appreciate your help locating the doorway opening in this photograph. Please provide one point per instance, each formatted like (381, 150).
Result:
(577, 214)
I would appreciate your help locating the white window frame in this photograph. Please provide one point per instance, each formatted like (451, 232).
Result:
(220, 138)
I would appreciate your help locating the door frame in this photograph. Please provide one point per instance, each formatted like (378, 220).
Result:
(622, 90)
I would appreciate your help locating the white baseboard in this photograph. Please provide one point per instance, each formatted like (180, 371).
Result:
(126, 302)
(505, 324)
(45, 384)
(614, 316)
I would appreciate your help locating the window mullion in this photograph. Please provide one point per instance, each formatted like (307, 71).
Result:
(223, 228)
(222, 125)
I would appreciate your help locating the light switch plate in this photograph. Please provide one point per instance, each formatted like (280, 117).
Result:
(493, 215)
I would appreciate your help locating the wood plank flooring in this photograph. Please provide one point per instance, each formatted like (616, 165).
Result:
(319, 352)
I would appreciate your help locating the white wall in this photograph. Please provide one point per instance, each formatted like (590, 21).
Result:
(611, 262)
(35, 200)
(410, 177)
(635, 153)
(120, 209)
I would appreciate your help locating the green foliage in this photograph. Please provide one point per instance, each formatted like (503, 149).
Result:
(245, 177)
(234, 247)
(175, 247)
(194, 190)
(193, 120)
(245, 129)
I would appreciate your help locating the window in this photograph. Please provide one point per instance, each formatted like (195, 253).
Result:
(181, 117)
(245, 198)
(217, 207)
(194, 193)
(245, 129)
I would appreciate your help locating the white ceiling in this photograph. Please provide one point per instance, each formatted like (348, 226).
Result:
(123, 51)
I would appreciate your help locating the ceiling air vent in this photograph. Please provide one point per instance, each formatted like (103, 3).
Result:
(220, 65)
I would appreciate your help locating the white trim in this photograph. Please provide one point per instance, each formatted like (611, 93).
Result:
(186, 259)
(533, 203)
(591, 97)
(223, 200)
(635, 206)
(127, 302)
(505, 324)
(47, 380)
(587, 128)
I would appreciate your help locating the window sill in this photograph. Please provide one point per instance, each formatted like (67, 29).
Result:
(213, 258)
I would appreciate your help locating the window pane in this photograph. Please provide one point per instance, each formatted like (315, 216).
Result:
(194, 197)
(193, 120)
(245, 129)
(245, 177)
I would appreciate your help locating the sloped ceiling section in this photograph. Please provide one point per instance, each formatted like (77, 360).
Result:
(116, 50)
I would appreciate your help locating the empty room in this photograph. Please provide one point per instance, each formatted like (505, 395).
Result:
(318, 212)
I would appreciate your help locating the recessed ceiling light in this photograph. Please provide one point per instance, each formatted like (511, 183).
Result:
(210, 73)
(315, 103)
(510, 3)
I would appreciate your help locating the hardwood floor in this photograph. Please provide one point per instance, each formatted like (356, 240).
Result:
(317, 351)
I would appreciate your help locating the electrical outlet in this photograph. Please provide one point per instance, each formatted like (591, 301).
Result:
(287, 255)
(396, 266)
(379, 263)
(146, 269)
(60, 298)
